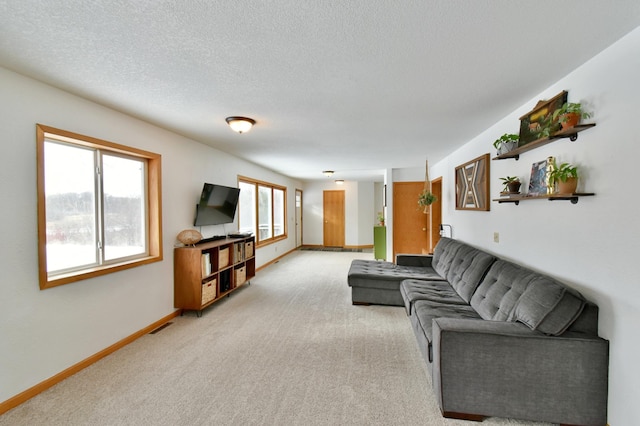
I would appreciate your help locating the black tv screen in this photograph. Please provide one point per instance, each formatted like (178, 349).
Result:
(217, 205)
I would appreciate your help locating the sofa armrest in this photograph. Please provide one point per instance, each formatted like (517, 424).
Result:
(422, 260)
(504, 369)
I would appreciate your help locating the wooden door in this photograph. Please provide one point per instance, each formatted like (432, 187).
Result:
(435, 215)
(410, 224)
(333, 211)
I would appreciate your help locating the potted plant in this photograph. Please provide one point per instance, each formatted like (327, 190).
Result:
(547, 127)
(381, 218)
(565, 177)
(570, 114)
(505, 143)
(511, 185)
(426, 198)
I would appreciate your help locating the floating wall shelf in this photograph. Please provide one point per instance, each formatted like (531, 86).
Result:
(571, 133)
(515, 199)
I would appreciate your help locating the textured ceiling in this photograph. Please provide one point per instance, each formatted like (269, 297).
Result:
(355, 86)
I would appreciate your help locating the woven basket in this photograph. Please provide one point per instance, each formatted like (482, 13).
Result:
(189, 236)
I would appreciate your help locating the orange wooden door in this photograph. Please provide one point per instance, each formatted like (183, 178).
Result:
(410, 224)
(333, 211)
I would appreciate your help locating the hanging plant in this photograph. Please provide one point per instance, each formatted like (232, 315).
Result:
(426, 198)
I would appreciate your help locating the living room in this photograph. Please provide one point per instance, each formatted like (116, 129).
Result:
(591, 245)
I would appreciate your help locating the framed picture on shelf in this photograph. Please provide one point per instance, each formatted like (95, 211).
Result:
(538, 123)
(472, 184)
(538, 183)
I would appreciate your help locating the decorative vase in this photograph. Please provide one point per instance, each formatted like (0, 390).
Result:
(514, 187)
(507, 147)
(570, 119)
(568, 187)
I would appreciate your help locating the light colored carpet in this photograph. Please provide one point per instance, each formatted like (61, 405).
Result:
(289, 349)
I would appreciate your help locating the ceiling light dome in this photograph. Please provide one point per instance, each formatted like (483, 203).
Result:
(240, 124)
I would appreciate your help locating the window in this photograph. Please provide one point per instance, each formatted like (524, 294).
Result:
(98, 207)
(262, 209)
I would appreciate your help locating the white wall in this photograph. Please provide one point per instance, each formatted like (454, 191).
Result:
(593, 245)
(45, 332)
(359, 205)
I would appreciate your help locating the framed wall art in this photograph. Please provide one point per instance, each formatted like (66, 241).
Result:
(539, 123)
(472, 184)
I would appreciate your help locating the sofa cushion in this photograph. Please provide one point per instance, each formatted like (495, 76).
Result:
(499, 292)
(548, 306)
(425, 311)
(436, 291)
(375, 274)
(443, 255)
(468, 267)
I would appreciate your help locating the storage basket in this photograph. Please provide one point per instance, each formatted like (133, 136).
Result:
(223, 257)
(248, 249)
(241, 275)
(208, 291)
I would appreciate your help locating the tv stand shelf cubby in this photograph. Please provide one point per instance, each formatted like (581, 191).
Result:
(207, 272)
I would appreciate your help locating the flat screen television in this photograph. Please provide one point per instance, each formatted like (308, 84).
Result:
(217, 205)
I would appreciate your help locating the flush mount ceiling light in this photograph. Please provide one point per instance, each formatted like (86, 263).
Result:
(327, 173)
(339, 181)
(240, 124)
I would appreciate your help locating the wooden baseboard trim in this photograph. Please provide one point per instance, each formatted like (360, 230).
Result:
(46, 384)
(274, 260)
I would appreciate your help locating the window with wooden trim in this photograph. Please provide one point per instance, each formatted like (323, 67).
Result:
(262, 210)
(99, 207)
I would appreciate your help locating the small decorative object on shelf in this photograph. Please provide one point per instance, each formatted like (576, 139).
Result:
(189, 237)
(381, 218)
(539, 122)
(539, 180)
(564, 178)
(570, 114)
(510, 185)
(505, 143)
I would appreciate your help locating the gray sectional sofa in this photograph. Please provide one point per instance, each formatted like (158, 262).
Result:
(498, 339)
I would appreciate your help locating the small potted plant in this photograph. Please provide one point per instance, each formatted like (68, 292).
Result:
(510, 185)
(381, 218)
(565, 177)
(505, 143)
(425, 199)
(570, 114)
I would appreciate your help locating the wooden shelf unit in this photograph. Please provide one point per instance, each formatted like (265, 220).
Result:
(205, 273)
(571, 133)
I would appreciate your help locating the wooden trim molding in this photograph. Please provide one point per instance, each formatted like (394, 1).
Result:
(46, 384)
(154, 205)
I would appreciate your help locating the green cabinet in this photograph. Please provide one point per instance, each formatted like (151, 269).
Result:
(380, 242)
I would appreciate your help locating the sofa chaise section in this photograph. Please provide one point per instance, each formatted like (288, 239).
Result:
(375, 282)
